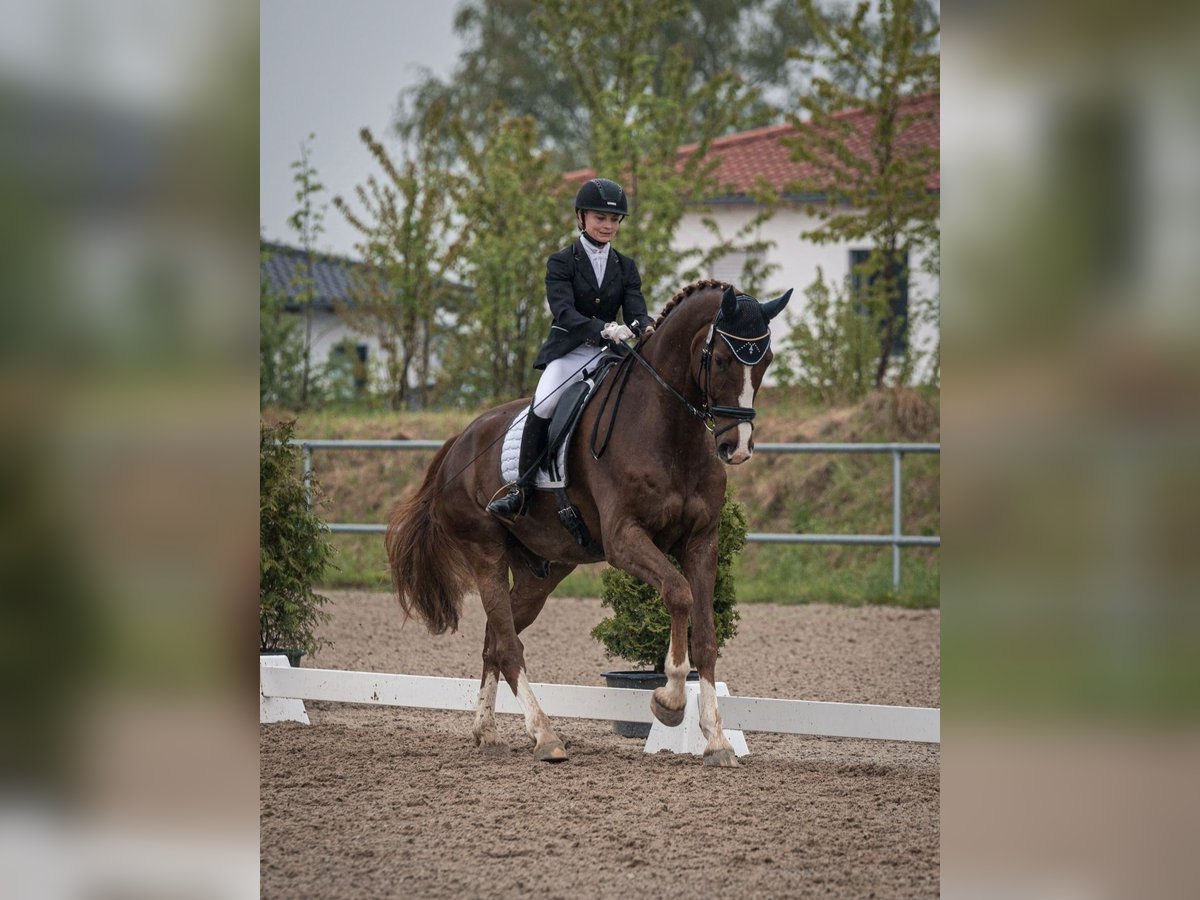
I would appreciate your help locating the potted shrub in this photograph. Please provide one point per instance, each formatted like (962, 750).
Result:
(639, 630)
(293, 549)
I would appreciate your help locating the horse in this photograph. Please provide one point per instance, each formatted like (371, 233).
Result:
(685, 412)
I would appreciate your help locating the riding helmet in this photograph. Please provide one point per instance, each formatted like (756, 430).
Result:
(602, 195)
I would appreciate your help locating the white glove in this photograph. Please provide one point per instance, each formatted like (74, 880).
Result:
(616, 333)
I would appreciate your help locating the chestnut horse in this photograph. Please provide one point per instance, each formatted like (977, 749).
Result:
(686, 411)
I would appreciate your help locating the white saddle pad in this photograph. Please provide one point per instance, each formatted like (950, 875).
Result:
(510, 454)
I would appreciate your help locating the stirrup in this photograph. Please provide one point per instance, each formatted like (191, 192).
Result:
(509, 507)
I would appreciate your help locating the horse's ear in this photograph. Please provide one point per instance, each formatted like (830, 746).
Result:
(729, 303)
(772, 308)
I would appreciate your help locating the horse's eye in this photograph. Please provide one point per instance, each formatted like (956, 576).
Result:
(722, 363)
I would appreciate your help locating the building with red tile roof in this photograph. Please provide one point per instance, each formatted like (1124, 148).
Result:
(765, 153)
(745, 158)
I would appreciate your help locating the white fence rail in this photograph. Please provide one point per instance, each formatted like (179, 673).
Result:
(853, 720)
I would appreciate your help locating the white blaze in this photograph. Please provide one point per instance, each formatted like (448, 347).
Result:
(745, 429)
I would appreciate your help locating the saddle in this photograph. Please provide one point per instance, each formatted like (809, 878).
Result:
(552, 474)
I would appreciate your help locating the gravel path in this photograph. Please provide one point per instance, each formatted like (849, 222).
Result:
(372, 802)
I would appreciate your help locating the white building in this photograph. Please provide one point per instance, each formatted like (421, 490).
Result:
(748, 156)
(284, 270)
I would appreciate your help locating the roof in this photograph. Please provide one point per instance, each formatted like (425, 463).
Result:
(748, 155)
(333, 276)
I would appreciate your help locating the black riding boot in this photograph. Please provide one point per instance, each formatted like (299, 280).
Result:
(533, 442)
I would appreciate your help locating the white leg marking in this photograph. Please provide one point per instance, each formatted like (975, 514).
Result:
(675, 689)
(710, 718)
(677, 676)
(485, 711)
(536, 723)
(743, 451)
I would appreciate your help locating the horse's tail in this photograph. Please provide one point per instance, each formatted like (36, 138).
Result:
(429, 570)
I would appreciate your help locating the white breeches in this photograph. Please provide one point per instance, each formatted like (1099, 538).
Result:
(561, 373)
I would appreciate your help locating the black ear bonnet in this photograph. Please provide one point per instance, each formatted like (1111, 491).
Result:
(744, 328)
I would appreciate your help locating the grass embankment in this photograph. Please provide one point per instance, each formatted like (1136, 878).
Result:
(849, 494)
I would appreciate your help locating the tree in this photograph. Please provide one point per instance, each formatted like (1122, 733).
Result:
(515, 208)
(834, 343)
(308, 221)
(406, 222)
(872, 171)
(641, 97)
(506, 59)
(281, 352)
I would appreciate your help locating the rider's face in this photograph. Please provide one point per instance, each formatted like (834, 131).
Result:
(601, 227)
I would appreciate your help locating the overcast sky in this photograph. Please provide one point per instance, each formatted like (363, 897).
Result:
(330, 67)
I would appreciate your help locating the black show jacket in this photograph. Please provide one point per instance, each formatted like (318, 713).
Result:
(580, 307)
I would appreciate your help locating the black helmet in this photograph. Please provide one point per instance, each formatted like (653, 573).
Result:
(602, 195)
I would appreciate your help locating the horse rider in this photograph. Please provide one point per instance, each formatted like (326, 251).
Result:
(586, 283)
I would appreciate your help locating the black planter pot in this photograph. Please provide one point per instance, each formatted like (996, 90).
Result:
(638, 681)
(292, 655)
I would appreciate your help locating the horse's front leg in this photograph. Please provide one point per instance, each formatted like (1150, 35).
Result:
(634, 552)
(699, 561)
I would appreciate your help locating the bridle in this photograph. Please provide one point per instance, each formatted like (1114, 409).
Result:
(756, 346)
(747, 351)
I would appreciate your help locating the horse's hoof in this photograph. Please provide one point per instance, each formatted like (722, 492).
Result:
(724, 759)
(669, 717)
(551, 753)
(493, 748)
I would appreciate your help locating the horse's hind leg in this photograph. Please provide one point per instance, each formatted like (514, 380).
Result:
(484, 729)
(528, 596)
(507, 654)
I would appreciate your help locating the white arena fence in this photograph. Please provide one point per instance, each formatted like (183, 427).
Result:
(282, 690)
(896, 539)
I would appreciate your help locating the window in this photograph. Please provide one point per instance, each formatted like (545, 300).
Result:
(899, 303)
(353, 358)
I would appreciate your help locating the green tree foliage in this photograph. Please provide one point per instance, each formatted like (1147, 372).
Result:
(280, 352)
(639, 629)
(515, 211)
(507, 59)
(641, 97)
(294, 548)
(406, 222)
(836, 343)
(344, 377)
(876, 60)
(308, 221)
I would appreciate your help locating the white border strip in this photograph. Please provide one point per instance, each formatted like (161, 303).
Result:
(854, 720)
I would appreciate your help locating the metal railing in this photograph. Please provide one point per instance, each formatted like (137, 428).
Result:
(896, 539)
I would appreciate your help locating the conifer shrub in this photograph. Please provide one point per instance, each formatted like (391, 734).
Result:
(294, 547)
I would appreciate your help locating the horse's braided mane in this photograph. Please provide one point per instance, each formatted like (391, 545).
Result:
(685, 292)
